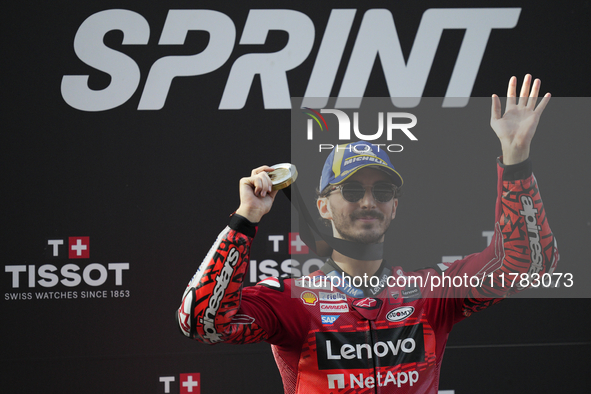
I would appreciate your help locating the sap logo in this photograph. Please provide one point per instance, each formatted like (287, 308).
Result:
(329, 319)
(377, 38)
(189, 383)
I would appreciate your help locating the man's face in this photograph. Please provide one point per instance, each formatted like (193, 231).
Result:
(364, 221)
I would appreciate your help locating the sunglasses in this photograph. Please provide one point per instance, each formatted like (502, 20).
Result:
(355, 191)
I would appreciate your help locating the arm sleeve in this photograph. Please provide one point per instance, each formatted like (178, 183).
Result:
(522, 244)
(215, 307)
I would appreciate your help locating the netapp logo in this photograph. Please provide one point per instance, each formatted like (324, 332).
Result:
(377, 38)
(350, 350)
(379, 380)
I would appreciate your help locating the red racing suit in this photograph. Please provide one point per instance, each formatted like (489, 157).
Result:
(388, 336)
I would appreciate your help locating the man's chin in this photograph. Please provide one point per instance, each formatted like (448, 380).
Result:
(366, 239)
(362, 233)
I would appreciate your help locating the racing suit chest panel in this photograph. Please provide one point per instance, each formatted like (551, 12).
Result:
(344, 349)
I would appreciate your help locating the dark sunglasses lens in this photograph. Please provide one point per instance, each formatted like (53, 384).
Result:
(352, 192)
(383, 193)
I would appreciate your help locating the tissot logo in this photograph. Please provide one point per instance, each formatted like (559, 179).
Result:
(75, 248)
(376, 38)
(68, 275)
(188, 383)
(296, 245)
(350, 350)
(79, 247)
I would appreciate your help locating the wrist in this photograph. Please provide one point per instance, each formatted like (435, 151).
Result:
(514, 156)
(252, 215)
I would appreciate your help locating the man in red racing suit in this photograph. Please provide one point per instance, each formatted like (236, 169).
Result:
(331, 333)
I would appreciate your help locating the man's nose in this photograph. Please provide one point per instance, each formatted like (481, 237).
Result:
(368, 200)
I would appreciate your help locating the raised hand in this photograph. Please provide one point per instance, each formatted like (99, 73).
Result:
(256, 196)
(517, 126)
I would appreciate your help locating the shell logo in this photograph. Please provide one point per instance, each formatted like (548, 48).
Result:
(309, 298)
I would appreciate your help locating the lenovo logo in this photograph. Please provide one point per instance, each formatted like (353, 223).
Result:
(351, 350)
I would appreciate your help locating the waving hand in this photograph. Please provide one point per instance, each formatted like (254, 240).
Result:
(517, 126)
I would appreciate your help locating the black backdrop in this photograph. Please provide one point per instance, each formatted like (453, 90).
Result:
(152, 188)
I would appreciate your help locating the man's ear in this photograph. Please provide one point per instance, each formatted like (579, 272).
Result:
(323, 208)
(394, 207)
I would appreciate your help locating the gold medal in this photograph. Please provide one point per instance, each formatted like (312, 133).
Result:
(284, 174)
